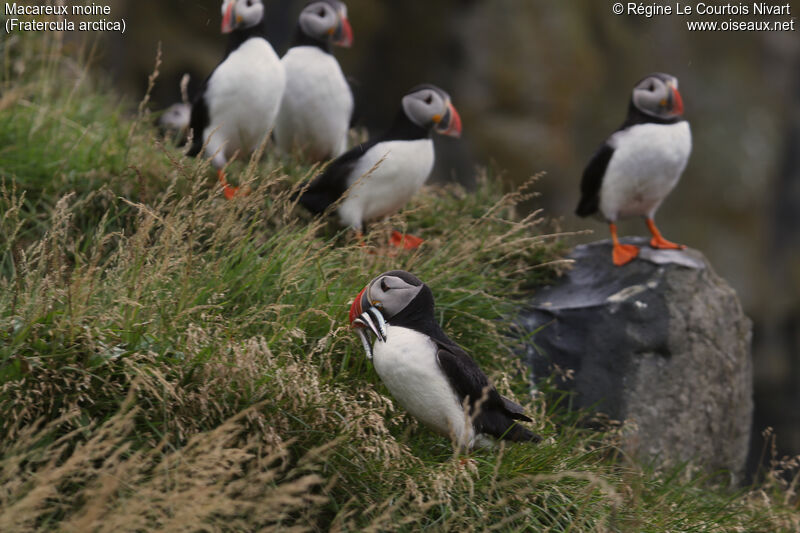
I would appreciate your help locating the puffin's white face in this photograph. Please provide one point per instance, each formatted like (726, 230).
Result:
(657, 95)
(176, 117)
(240, 14)
(390, 294)
(428, 106)
(327, 19)
(383, 298)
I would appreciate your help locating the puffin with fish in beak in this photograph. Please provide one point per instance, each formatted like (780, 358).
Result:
(432, 377)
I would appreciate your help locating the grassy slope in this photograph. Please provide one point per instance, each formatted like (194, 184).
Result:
(170, 360)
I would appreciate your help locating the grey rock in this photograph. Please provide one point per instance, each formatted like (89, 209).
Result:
(661, 342)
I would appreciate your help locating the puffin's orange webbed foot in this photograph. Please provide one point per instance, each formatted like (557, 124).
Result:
(405, 241)
(660, 242)
(664, 244)
(359, 236)
(624, 253)
(464, 462)
(227, 190)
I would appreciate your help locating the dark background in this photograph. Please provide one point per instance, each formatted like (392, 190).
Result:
(539, 85)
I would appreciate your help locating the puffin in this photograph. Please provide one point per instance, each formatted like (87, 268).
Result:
(236, 108)
(431, 376)
(383, 174)
(635, 169)
(317, 104)
(174, 121)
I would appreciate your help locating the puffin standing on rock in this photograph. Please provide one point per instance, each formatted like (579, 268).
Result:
(430, 375)
(384, 173)
(318, 104)
(639, 164)
(238, 103)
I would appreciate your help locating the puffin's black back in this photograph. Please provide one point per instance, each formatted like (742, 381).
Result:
(199, 120)
(592, 181)
(329, 186)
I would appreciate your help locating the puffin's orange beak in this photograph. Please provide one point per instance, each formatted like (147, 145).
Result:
(356, 310)
(365, 318)
(677, 102)
(454, 125)
(345, 34)
(227, 18)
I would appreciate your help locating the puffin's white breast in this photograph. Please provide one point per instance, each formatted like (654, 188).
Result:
(317, 104)
(407, 365)
(243, 96)
(390, 173)
(646, 165)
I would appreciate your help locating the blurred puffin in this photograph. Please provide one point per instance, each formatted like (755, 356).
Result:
(238, 103)
(639, 164)
(432, 377)
(384, 173)
(317, 104)
(174, 122)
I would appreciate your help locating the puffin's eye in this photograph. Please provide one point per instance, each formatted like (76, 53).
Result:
(384, 286)
(321, 12)
(249, 3)
(429, 99)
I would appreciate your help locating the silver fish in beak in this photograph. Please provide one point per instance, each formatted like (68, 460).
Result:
(366, 318)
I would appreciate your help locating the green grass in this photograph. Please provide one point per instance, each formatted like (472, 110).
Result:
(172, 361)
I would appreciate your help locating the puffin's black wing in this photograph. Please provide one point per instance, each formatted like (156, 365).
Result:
(497, 413)
(329, 186)
(466, 377)
(464, 374)
(199, 119)
(592, 181)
